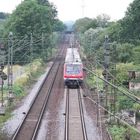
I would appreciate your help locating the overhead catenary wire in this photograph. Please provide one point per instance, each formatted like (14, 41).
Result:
(100, 106)
(98, 103)
(117, 117)
(114, 115)
(128, 92)
(133, 97)
(24, 46)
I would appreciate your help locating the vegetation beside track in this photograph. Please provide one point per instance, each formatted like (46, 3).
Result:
(122, 132)
(22, 85)
(123, 46)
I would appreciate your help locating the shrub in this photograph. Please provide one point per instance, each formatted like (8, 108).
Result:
(18, 90)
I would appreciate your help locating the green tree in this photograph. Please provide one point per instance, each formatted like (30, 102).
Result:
(59, 26)
(130, 23)
(125, 103)
(82, 24)
(124, 52)
(114, 30)
(36, 18)
(102, 20)
(31, 17)
(93, 24)
(136, 55)
(43, 2)
(3, 15)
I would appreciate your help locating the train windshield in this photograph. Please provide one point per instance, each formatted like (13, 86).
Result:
(73, 69)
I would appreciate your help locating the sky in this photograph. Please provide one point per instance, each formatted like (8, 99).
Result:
(8, 5)
(74, 9)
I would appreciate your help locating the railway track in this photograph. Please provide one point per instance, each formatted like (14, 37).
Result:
(72, 126)
(29, 127)
(93, 96)
(75, 128)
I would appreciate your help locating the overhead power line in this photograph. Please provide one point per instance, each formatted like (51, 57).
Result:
(133, 97)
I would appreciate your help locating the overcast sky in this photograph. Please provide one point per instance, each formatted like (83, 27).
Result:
(8, 5)
(72, 9)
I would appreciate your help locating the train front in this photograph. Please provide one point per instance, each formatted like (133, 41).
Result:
(73, 74)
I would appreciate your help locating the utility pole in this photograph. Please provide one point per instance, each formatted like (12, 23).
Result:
(91, 44)
(10, 66)
(25, 44)
(97, 92)
(113, 79)
(114, 91)
(42, 46)
(31, 48)
(106, 68)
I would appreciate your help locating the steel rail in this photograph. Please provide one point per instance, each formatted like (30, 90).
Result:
(44, 107)
(82, 115)
(102, 129)
(46, 101)
(20, 127)
(67, 116)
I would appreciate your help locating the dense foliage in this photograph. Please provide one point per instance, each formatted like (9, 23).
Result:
(3, 15)
(83, 24)
(31, 17)
(130, 23)
(3, 18)
(33, 24)
(122, 133)
(123, 40)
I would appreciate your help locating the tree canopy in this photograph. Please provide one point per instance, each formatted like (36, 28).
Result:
(130, 23)
(3, 15)
(83, 24)
(31, 17)
(32, 23)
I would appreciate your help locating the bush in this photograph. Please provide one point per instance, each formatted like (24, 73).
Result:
(117, 132)
(18, 90)
(122, 71)
(22, 80)
(122, 132)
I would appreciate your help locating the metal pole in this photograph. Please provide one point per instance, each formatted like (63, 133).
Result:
(31, 48)
(106, 66)
(2, 104)
(10, 66)
(91, 45)
(1, 80)
(42, 46)
(114, 81)
(31, 52)
(2, 61)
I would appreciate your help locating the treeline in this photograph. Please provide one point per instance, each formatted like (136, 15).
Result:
(123, 39)
(124, 35)
(3, 15)
(32, 20)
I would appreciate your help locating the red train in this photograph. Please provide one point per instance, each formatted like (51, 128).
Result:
(73, 68)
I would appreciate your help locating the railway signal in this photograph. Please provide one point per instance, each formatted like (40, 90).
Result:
(2, 54)
(3, 77)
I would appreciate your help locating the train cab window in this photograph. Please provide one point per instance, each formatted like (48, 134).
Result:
(73, 69)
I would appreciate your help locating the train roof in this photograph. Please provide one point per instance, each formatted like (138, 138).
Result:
(72, 56)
